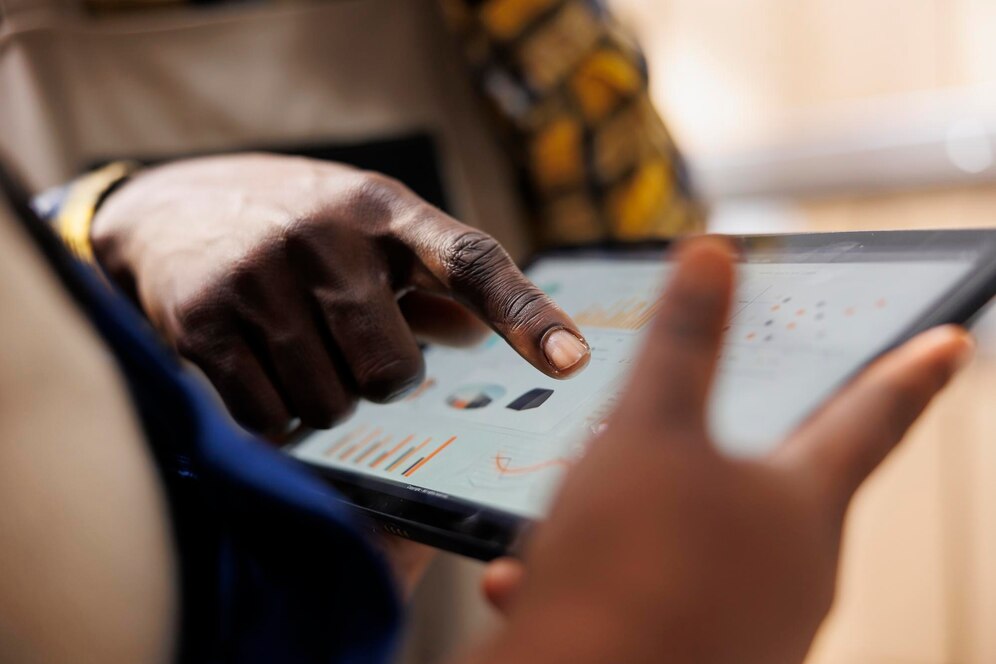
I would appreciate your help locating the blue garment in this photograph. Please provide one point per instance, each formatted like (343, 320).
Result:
(274, 567)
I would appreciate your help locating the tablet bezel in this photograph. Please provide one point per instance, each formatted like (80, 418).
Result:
(483, 532)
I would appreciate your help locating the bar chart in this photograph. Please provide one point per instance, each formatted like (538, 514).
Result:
(624, 314)
(372, 449)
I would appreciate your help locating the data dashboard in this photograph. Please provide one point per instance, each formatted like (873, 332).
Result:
(487, 427)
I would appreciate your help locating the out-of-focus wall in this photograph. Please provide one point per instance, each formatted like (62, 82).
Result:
(730, 73)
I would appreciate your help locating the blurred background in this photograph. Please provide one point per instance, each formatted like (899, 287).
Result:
(774, 97)
(837, 115)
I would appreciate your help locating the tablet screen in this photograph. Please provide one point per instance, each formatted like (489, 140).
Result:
(487, 428)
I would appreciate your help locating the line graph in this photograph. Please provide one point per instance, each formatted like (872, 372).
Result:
(503, 464)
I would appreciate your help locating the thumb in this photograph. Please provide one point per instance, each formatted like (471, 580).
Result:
(501, 582)
(671, 383)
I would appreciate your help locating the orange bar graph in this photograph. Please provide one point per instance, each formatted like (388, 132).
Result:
(379, 460)
(411, 471)
(628, 314)
(352, 448)
(624, 311)
(370, 450)
(337, 445)
(646, 316)
(407, 454)
(426, 385)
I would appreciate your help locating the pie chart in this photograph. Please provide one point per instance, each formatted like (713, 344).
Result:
(469, 397)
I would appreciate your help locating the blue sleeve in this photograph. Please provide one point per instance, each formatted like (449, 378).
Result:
(274, 567)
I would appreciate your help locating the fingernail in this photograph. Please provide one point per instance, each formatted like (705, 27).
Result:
(563, 349)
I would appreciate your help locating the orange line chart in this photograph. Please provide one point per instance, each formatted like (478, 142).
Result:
(503, 465)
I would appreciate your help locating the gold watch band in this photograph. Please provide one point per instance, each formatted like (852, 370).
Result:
(75, 217)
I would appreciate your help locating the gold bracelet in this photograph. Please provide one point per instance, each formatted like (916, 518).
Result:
(75, 217)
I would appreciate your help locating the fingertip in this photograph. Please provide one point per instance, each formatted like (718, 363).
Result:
(950, 344)
(704, 266)
(939, 353)
(502, 577)
(718, 249)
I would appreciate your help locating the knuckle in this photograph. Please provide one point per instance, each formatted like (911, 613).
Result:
(288, 344)
(226, 368)
(354, 305)
(249, 284)
(204, 319)
(374, 195)
(200, 335)
(301, 237)
(525, 308)
(198, 312)
(472, 257)
(378, 184)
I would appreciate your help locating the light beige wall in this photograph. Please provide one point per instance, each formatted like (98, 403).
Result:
(730, 72)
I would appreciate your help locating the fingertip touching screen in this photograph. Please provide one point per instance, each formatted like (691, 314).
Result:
(488, 429)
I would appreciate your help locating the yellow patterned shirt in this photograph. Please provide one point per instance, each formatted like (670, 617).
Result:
(568, 91)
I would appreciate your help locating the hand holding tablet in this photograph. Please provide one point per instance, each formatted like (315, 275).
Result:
(478, 452)
(657, 543)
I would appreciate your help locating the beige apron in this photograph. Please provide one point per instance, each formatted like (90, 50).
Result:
(76, 88)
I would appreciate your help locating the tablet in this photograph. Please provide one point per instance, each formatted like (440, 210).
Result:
(469, 459)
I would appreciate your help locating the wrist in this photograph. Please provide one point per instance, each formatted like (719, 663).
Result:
(110, 250)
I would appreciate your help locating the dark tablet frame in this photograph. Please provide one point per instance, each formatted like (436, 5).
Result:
(483, 532)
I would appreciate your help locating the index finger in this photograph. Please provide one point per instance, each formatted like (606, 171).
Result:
(476, 270)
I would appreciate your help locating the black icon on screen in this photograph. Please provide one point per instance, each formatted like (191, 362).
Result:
(534, 398)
